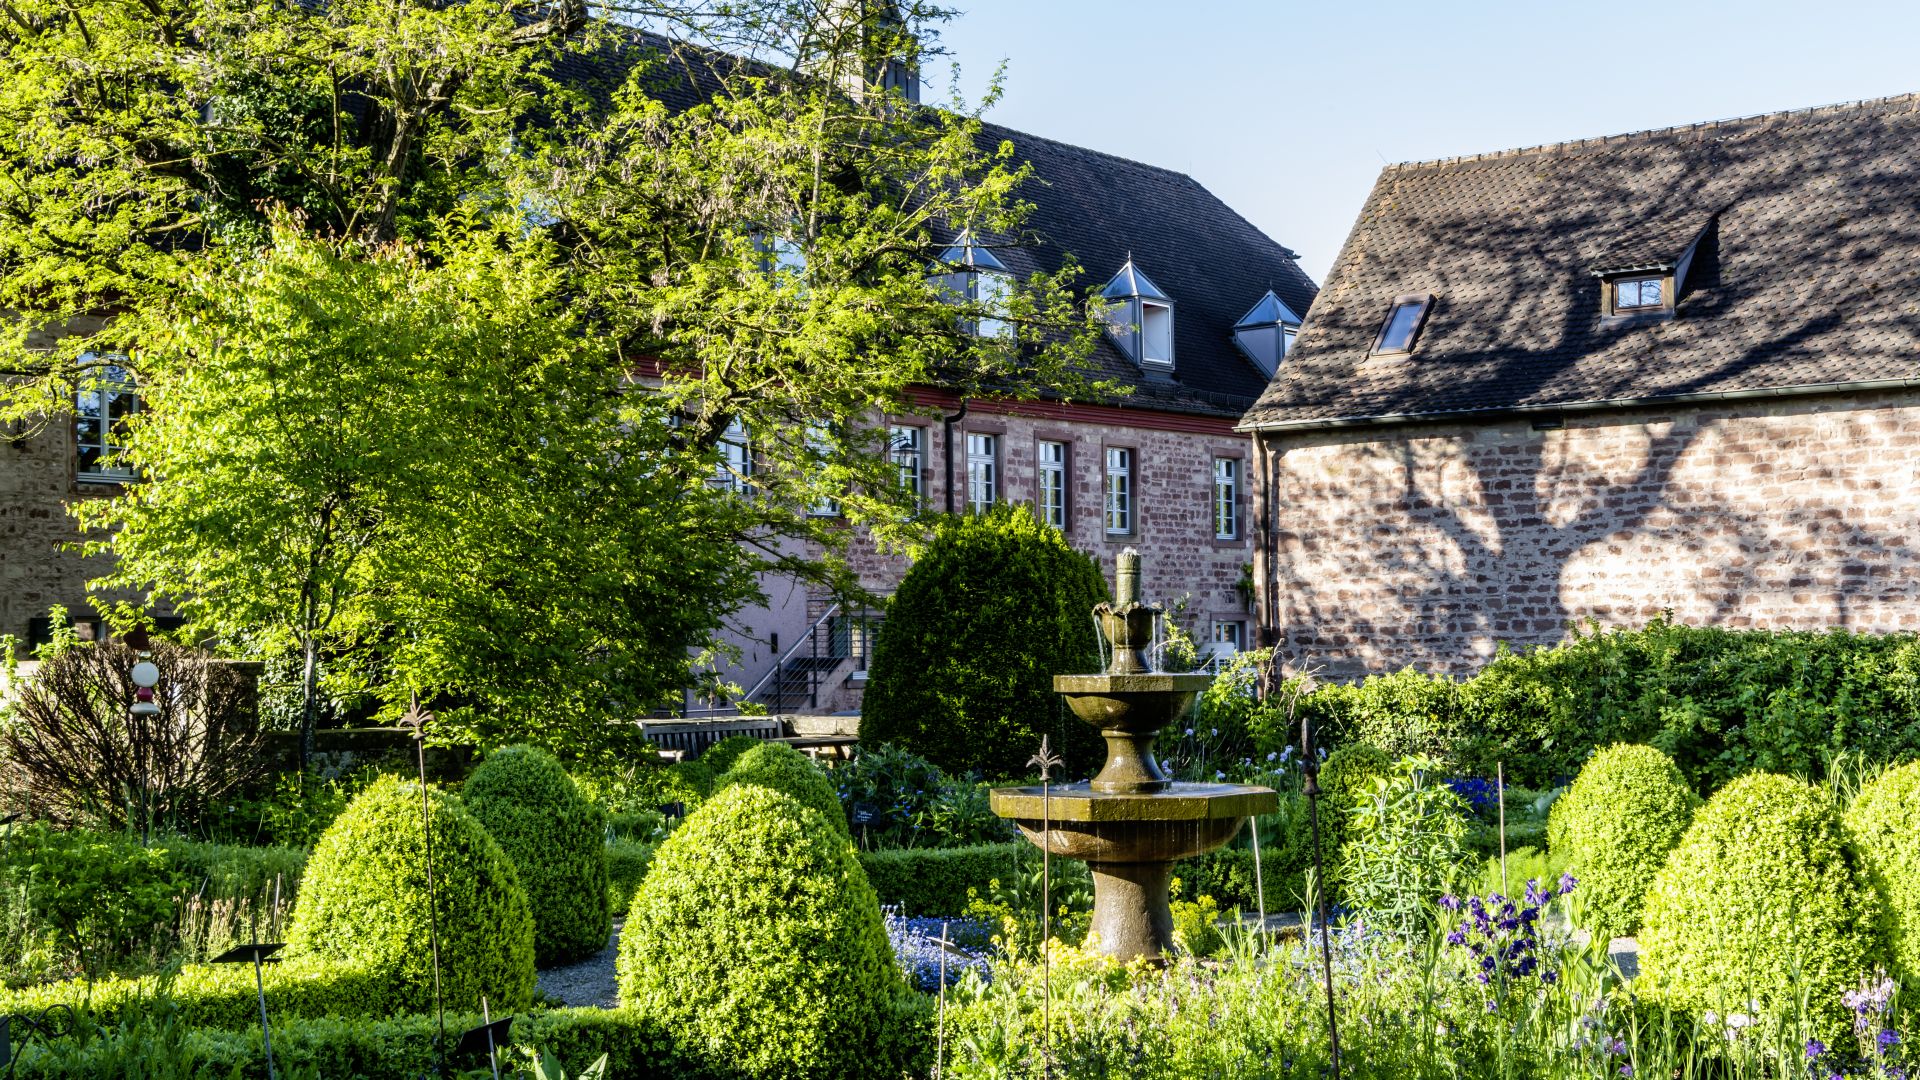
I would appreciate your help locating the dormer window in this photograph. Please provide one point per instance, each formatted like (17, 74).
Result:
(971, 274)
(1266, 332)
(1402, 326)
(1139, 317)
(1643, 271)
(1640, 293)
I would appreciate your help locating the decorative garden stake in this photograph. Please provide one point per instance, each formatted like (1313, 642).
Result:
(1311, 789)
(1048, 761)
(940, 1022)
(418, 721)
(1500, 794)
(256, 954)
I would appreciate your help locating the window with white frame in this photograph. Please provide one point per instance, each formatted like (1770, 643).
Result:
(1119, 513)
(735, 468)
(820, 451)
(1156, 332)
(1228, 637)
(907, 445)
(983, 471)
(103, 408)
(1053, 484)
(1226, 498)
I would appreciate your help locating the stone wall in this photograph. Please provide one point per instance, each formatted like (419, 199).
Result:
(1173, 468)
(1427, 545)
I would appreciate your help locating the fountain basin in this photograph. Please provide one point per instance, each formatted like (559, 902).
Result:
(1130, 843)
(1130, 709)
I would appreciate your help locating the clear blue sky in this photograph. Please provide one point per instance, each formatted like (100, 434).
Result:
(1288, 110)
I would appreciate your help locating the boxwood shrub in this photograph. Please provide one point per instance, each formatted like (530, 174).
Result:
(721, 755)
(364, 901)
(1763, 900)
(934, 881)
(757, 942)
(557, 842)
(781, 768)
(627, 862)
(963, 668)
(222, 996)
(1614, 827)
(340, 1049)
(1885, 823)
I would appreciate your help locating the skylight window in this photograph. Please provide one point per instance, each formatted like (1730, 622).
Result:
(1403, 324)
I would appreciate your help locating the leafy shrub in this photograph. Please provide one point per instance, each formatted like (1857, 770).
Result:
(757, 941)
(1524, 864)
(1349, 775)
(781, 768)
(86, 759)
(1885, 823)
(227, 870)
(1402, 847)
(153, 1044)
(1196, 926)
(963, 669)
(292, 811)
(1720, 703)
(627, 863)
(364, 900)
(1627, 809)
(556, 841)
(897, 799)
(936, 881)
(721, 755)
(222, 996)
(84, 899)
(1762, 901)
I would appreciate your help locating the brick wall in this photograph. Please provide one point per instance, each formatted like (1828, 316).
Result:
(1427, 545)
(1173, 470)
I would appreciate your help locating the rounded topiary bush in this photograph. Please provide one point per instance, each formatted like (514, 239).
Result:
(1763, 900)
(721, 755)
(788, 771)
(557, 842)
(963, 669)
(363, 900)
(1885, 823)
(1347, 775)
(757, 941)
(1626, 810)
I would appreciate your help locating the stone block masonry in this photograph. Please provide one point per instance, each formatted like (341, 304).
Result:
(1428, 545)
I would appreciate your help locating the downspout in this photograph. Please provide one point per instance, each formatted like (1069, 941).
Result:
(1269, 541)
(947, 448)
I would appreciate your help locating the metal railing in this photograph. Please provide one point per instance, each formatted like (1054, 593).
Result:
(806, 650)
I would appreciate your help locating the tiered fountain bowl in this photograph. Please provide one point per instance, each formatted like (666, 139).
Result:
(1131, 823)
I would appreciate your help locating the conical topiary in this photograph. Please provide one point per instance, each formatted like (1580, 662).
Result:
(1628, 807)
(1885, 823)
(786, 770)
(557, 841)
(758, 943)
(1763, 902)
(363, 899)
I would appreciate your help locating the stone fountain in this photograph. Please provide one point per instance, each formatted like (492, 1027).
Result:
(1131, 822)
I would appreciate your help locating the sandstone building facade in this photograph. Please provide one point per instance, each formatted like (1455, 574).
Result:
(1676, 371)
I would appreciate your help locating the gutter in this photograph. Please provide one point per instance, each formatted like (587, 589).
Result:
(946, 450)
(1594, 405)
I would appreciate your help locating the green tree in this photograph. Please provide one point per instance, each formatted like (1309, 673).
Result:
(384, 461)
(963, 669)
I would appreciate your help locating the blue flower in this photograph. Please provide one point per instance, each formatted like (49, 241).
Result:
(1450, 902)
(1567, 882)
(1626, 1070)
(1815, 1048)
(1887, 1039)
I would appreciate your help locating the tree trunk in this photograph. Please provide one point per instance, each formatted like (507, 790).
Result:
(309, 700)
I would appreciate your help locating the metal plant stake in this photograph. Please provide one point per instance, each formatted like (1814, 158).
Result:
(1048, 761)
(418, 720)
(940, 1022)
(1311, 789)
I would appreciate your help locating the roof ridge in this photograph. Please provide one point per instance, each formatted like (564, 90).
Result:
(1912, 99)
(1090, 150)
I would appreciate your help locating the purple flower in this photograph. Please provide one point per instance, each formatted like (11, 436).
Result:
(1887, 1039)
(1815, 1048)
(1450, 902)
(1458, 937)
(1626, 1070)
(1615, 1047)
(1535, 894)
(1567, 882)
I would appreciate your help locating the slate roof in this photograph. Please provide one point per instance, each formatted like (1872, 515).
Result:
(1807, 276)
(1212, 262)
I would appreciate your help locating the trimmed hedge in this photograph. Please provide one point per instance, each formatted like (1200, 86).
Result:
(1762, 900)
(781, 768)
(757, 941)
(237, 870)
(557, 842)
(367, 1049)
(721, 755)
(222, 996)
(627, 862)
(994, 608)
(1721, 703)
(1614, 827)
(364, 901)
(1885, 823)
(934, 881)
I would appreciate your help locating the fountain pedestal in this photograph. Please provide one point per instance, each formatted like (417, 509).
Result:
(1131, 822)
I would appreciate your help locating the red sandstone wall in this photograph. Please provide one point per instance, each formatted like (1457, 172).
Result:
(1427, 545)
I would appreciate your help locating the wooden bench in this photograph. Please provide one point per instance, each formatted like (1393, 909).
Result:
(690, 738)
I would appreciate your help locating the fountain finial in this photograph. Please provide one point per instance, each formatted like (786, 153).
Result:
(1127, 624)
(1126, 578)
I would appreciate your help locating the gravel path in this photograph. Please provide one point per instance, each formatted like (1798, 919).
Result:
(589, 982)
